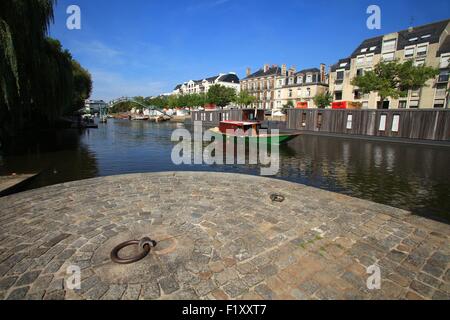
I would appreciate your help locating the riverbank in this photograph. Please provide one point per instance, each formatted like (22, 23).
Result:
(9, 184)
(220, 237)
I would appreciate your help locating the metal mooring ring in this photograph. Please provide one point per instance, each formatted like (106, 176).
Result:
(277, 198)
(145, 251)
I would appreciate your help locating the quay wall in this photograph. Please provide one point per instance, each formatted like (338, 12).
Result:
(425, 124)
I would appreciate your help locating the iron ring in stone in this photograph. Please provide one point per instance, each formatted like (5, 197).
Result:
(117, 259)
(277, 198)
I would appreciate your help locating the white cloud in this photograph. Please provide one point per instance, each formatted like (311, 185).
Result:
(98, 51)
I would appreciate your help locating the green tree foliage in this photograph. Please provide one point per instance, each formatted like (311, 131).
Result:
(82, 86)
(220, 95)
(38, 79)
(120, 107)
(244, 99)
(394, 79)
(289, 104)
(160, 102)
(323, 100)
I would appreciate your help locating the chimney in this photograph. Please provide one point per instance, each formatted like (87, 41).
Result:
(283, 70)
(322, 73)
(292, 70)
(266, 68)
(248, 72)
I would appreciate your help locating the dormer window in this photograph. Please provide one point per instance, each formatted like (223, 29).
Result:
(413, 39)
(364, 50)
(426, 36)
(300, 79)
(372, 48)
(342, 65)
(309, 78)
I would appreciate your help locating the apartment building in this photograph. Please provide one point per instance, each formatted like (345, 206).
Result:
(261, 84)
(230, 80)
(300, 87)
(425, 45)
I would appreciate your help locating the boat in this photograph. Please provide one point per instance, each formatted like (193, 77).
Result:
(140, 118)
(249, 130)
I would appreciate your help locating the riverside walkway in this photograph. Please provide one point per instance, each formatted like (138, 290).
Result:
(220, 237)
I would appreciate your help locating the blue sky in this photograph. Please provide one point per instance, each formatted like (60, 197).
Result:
(146, 47)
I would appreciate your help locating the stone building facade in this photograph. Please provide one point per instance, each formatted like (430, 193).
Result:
(230, 80)
(425, 45)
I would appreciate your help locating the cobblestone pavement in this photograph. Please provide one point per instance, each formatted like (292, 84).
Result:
(220, 237)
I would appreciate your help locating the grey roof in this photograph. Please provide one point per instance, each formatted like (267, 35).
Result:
(445, 47)
(434, 30)
(230, 77)
(367, 44)
(338, 65)
(311, 70)
(275, 70)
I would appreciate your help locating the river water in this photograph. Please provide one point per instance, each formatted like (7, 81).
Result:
(408, 176)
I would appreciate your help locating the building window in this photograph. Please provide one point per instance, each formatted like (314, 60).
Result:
(365, 104)
(395, 123)
(349, 121)
(291, 81)
(415, 93)
(422, 50)
(439, 104)
(309, 78)
(369, 59)
(445, 59)
(414, 104)
(279, 94)
(308, 92)
(443, 76)
(338, 95)
(402, 104)
(290, 93)
(340, 75)
(388, 56)
(409, 51)
(357, 95)
(359, 72)
(360, 60)
(419, 62)
(441, 90)
(389, 45)
(300, 80)
(382, 123)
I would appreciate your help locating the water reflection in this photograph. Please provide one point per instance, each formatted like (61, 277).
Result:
(408, 176)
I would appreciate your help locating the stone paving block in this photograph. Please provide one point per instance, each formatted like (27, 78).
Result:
(316, 245)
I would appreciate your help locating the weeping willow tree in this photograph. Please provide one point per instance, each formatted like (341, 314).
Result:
(37, 77)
